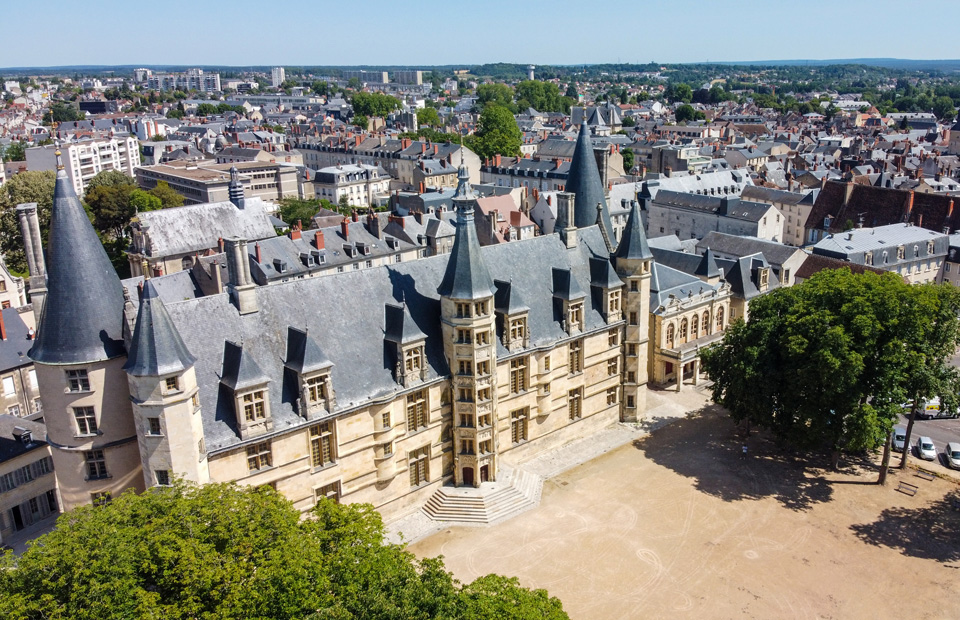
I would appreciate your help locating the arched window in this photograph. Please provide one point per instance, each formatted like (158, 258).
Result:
(706, 322)
(683, 331)
(694, 328)
(670, 336)
(720, 317)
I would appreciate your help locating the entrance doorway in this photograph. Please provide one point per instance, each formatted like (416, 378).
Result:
(468, 476)
(17, 518)
(485, 473)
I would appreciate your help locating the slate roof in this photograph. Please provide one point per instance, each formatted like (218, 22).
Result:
(667, 283)
(303, 353)
(13, 349)
(157, 348)
(82, 318)
(759, 193)
(735, 245)
(707, 267)
(344, 315)
(584, 181)
(192, 228)
(10, 445)
(814, 263)
(739, 274)
(466, 276)
(880, 206)
(730, 207)
(633, 241)
(400, 326)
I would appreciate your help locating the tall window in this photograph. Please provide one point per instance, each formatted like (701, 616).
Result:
(416, 410)
(576, 316)
(518, 329)
(466, 367)
(480, 308)
(670, 336)
(705, 325)
(77, 381)
(463, 310)
(413, 360)
(614, 302)
(329, 491)
(322, 446)
(613, 366)
(720, 317)
(613, 338)
(153, 426)
(612, 396)
(575, 403)
(96, 464)
(86, 420)
(694, 328)
(518, 424)
(483, 369)
(254, 407)
(419, 466)
(486, 447)
(483, 395)
(163, 477)
(463, 336)
(483, 337)
(576, 356)
(518, 375)
(634, 318)
(683, 331)
(259, 456)
(316, 390)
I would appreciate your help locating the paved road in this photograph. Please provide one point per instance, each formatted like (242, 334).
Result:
(940, 431)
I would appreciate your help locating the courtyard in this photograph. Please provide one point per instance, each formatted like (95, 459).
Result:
(677, 524)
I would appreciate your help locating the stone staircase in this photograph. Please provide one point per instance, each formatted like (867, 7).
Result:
(514, 492)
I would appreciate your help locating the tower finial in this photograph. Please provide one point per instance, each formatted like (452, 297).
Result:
(59, 159)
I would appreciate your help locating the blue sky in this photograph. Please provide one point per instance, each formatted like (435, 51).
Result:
(412, 32)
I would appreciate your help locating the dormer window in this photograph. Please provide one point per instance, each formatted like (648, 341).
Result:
(413, 360)
(518, 329)
(254, 406)
(316, 390)
(930, 247)
(868, 258)
(900, 253)
(575, 317)
(613, 303)
(764, 278)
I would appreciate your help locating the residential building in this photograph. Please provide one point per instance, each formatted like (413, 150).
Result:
(689, 216)
(19, 391)
(12, 291)
(794, 206)
(202, 182)
(366, 77)
(192, 79)
(783, 259)
(277, 77)
(915, 253)
(85, 159)
(414, 78)
(362, 185)
(28, 488)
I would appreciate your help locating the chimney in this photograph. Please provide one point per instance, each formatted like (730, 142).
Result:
(318, 239)
(909, 204)
(847, 192)
(354, 216)
(950, 209)
(220, 244)
(3, 328)
(373, 224)
(423, 148)
(920, 220)
(257, 249)
(422, 189)
(294, 231)
(345, 229)
(419, 216)
(436, 149)
(242, 290)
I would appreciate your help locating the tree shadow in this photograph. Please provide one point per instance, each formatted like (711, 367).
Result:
(707, 446)
(929, 532)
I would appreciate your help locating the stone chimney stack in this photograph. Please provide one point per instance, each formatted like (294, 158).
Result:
(33, 248)
(243, 292)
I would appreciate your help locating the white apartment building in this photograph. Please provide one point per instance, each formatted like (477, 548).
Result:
(277, 77)
(84, 160)
(360, 183)
(194, 79)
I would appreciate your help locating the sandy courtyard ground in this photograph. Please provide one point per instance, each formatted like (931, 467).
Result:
(679, 525)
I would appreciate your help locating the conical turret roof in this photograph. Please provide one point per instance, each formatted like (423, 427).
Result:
(157, 347)
(584, 181)
(466, 276)
(633, 243)
(83, 313)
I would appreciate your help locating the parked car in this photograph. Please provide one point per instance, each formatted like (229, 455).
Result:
(931, 409)
(926, 450)
(899, 438)
(953, 455)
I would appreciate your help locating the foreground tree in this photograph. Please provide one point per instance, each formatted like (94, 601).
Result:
(226, 551)
(31, 186)
(827, 363)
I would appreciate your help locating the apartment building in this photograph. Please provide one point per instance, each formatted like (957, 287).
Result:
(85, 159)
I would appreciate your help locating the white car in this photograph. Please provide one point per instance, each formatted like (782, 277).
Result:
(926, 450)
(899, 438)
(953, 455)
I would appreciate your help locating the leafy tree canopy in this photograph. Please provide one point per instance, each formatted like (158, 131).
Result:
(687, 113)
(497, 133)
(15, 151)
(374, 104)
(61, 113)
(542, 97)
(495, 94)
(110, 178)
(168, 197)
(428, 117)
(31, 186)
(827, 363)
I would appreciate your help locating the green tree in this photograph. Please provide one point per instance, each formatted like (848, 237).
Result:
(110, 178)
(320, 88)
(428, 117)
(294, 209)
(493, 596)
(679, 92)
(167, 195)
(629, 121)
(374, 104)
(627, 159)
(206, 109)
(572, 92)
(943, 108)
(868, 333)
(111, 208)
(60, 112)
(541, 96)
(687, 113)
(495, 94)
(497, 133)
(31, 186)
(142, 201)
(15, 151)
(361, 122)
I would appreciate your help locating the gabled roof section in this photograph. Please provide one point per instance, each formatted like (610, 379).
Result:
(633, 243)
(83, 314)
(157, 348)
(584, 181)
(708, 266)
(565, 286)
(303, 353)
(507, 299)
(602, 273)
(239, 369)
(466, 276)
(399, 326)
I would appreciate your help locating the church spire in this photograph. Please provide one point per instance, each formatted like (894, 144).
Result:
(466, 276)
(633, 243)
(157, 347)
(82, 317)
